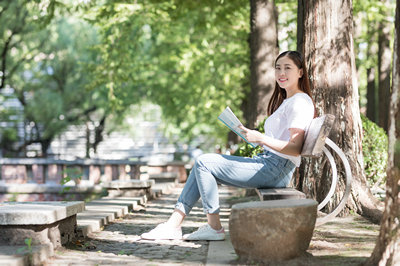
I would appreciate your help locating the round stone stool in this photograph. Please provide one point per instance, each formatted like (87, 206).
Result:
(272, 230)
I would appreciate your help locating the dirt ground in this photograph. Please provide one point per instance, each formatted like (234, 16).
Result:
(343, 241)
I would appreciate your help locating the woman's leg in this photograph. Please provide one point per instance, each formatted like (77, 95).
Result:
(211, 169)
(260, 171)
(214, 221)
(172, 228)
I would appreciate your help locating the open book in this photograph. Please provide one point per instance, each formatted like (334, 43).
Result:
(230, 120)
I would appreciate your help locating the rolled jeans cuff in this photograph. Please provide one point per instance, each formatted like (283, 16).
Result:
(183, 207)
(186, 209)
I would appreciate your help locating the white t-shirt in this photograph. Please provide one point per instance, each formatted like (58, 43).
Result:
(295, 112)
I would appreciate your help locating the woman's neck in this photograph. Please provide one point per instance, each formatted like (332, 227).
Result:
(290, 93)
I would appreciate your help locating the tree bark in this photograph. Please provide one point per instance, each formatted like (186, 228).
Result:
(384, 57)
(328, 48)
(263, 51)
(371, 98)
(387, 248)
(371, 88)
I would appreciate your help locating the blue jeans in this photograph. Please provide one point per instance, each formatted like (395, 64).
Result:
(264, 170)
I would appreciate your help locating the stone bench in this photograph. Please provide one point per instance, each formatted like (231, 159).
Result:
(285, 213)
(314, 146)
(272, 230)
(279, 193)
(165, 177)
(44, 222)
(128, 188)
(178, 167)
(47, 225)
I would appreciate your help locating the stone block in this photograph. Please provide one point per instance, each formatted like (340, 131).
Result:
(95, 173)
(272, 230)
(14, 174)
(128, 188)
(54, 173)
(51, 223)
(165, 177)
(22, 213)
(37, 173)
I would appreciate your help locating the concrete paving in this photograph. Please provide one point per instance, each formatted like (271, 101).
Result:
(119, 242)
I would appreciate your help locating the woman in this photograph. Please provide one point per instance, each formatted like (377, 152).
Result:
(290, 111)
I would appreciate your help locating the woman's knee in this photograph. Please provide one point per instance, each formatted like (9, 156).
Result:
(203, 159)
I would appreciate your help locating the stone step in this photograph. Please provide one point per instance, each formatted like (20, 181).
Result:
(99, 213)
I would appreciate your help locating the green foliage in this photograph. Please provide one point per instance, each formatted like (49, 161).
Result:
(8, 137)
(190, 59)
(27, 248)
(47, 63)
(375, 151)
(70, 174)
(245, 149)
(370, 17)
(287, 24)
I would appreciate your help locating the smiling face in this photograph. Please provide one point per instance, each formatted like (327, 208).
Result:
(287, 74)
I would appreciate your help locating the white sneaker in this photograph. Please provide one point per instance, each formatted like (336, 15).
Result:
(205, 232)
(163, 231)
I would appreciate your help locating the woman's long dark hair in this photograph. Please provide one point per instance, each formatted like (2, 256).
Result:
(304, 84)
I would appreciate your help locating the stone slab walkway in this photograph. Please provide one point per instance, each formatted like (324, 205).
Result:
(119, 242)
(344, 241)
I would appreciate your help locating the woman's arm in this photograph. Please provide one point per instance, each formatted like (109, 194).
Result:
(291, 147)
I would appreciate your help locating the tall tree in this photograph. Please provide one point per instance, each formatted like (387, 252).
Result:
(263, 51)
(190, 59)
(19, 20)
(327, 28)
(46, 68)
(387, 249)
(384, 57)
(371, 88)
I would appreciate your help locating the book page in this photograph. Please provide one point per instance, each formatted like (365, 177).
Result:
(230, 120)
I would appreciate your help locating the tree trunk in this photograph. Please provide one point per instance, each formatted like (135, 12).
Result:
(371, 88)
(45, 145)
(263, 51)
(87, 146)
(387, 249)
(384, 57)
(329, 52)
(98, 132)
(371, 98)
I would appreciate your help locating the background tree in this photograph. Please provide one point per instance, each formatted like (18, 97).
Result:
(19, 21)
(372, 38)
(190, 59)
(263, 51)
(384, 58)
(327, 28)
(45, 65)
(52, 87)
(386, 251)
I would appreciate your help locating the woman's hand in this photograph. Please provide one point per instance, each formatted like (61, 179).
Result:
(252, 135)
(291, 147)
